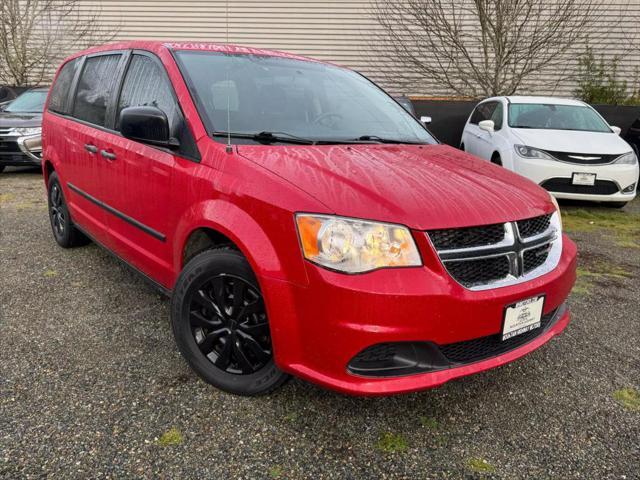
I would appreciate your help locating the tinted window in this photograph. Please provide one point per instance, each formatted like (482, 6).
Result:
(146, 85)
(60, 89)
(28, 102)
(556, 117)
(484, 111)
(95, 88)
(302, 98)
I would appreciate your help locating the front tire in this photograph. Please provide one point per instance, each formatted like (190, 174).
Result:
(64, 231)
(496, 159)
(220, 324)
(2, 168)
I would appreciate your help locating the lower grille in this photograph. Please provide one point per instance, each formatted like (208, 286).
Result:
(410, 358)
(471, 273)
(564, 185)
(9, 147)
(486, 347)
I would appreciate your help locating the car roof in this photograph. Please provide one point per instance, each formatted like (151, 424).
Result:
(157, 45)
(545, 100)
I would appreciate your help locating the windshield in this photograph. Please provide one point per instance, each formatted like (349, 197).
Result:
(289, 97)
(556, 117)
(29, 102)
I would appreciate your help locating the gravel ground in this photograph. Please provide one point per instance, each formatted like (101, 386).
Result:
(92, 385)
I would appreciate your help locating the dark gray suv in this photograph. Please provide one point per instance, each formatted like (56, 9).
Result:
(21, 129)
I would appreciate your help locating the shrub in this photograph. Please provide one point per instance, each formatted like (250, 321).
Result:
(598, 82)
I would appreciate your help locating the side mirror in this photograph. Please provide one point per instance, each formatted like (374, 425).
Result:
(146, 125)
(487, 125)
(616, 130)
(425, 120)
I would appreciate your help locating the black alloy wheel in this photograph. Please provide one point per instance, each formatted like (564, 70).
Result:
(229, 324)
(221, 326)
(57, 212)
(64, 231)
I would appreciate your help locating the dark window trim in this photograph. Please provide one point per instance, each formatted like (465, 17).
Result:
(120, 85)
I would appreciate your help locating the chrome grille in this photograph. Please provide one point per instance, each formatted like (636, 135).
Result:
(4, 131)
(480, 260)
(467, 237)
(534, 226)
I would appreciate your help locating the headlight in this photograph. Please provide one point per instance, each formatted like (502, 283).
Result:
(24, 131)
(530, 152)
(355, 246)
(627, 159)
(555, 202)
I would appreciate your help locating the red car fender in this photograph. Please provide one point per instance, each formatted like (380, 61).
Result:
(247, 234)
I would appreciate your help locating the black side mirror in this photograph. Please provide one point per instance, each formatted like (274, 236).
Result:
(147, 125)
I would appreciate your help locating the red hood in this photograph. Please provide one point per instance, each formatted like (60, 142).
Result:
(423, 187)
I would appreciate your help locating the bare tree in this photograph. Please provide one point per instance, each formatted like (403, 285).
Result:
(479, 48)
(35, 35)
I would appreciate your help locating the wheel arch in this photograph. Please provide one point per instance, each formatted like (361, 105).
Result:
(47, 170)
(214, 223)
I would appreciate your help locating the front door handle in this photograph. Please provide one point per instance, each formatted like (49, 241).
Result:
(90, 148)
(108, 155)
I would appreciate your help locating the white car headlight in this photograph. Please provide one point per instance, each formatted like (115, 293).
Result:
(355, 246)
(627, 159)
(530, 152)
(24, 131)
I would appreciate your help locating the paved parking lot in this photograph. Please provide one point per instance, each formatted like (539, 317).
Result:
(92, 385)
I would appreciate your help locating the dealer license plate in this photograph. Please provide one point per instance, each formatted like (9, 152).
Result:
(522, 317)
(583, 178)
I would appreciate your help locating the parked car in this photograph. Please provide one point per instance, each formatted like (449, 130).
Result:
(633, 136)
(301, 220)
(563, 145)
(7, 94)
(20, 129)
(407, 104)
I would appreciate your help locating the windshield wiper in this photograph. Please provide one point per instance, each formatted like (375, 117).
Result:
(377, 139)
(267, 137)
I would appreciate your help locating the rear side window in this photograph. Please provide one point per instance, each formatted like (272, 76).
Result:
(95, 89)
(147, 85)
(60, 91)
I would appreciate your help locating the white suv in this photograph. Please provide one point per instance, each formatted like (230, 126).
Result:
(563, 145)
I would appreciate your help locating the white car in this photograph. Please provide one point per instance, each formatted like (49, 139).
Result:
(563, 145)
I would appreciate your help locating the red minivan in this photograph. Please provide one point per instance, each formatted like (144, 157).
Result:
(300, 219)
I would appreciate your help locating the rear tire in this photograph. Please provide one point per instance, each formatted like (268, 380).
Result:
(220, 324)
(462, 147)
(615, 204)
(64, 231)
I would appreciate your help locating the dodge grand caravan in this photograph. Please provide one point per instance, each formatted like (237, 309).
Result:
(300, 219)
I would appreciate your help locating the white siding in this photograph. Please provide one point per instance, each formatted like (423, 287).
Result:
(334, 30)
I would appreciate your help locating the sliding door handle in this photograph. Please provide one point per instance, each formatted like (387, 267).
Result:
(108, 155)
(90, 148)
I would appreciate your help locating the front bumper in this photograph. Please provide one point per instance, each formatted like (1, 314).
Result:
(20, 151)
(548, 171)
(319, 328)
